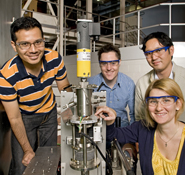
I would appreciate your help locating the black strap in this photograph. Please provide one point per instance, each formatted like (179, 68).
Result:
(100, 86)
(68, 86)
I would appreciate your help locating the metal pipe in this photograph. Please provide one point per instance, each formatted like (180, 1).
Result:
(173, 24)
(94, 46)
(170, 27)
(138, 23)
(65, 32)
(114, 30)
(61, 26)
(84, 172)
(85, 147)
(73, 141)
(175, 3)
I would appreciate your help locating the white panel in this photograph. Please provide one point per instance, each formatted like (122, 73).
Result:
(45, 19)
(179, 49)
(131, 53)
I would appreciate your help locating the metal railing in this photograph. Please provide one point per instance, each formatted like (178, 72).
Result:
(133, 34)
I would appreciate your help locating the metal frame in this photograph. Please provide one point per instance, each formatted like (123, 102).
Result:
(70, 35)
(170, 24)
(51, 29)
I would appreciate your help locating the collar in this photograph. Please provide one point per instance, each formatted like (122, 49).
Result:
(118, 82)
(22, 69)
(154, 76)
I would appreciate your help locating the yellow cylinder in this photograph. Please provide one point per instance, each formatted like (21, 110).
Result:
(83, 62)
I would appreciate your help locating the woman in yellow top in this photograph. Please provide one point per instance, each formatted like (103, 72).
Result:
(160, 136)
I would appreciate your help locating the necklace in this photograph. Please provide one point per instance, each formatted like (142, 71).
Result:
(166, 142)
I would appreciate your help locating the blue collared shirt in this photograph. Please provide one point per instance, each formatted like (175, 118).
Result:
(121, 95)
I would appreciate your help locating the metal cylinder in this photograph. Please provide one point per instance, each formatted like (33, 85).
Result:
(84, 172)
(73, 141)
(84, 107)
(83, 49)
(118, 122)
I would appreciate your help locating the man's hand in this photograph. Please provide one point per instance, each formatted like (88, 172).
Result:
(28, 155)
(110, 114)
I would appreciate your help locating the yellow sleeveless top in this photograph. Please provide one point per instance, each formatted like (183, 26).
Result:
(163, 166)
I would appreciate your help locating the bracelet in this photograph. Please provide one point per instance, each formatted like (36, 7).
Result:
(68, 86)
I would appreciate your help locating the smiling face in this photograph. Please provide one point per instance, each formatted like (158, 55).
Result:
(160, 63)
(109, 71)
(33, 55)
(163, 114)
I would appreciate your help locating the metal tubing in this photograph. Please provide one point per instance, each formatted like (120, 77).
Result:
(73, 141)
(61, 26)
(85, 147)
(138, 23)
(65, 34)
(114, 30)
(170, 27)
(84, 152)
(94, 45)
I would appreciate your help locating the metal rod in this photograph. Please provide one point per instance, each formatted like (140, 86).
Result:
(175, 3)
(173, 24)
(61, 26)
(114, 30)
(65, 32)
(94, 46)
(84, 172)
(25, 7)
(170, 27)
(138, 23)
(73, 141)
(85, 147)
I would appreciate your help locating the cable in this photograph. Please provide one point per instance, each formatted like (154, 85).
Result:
(100, 86)
(93, 143)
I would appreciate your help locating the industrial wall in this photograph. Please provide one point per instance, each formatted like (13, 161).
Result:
(9, 9)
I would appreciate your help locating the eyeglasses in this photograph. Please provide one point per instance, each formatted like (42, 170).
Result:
(156, 52)
(112, 63)
(164, 100)
(26, 45)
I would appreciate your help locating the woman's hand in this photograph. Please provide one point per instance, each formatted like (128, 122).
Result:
(108, 114)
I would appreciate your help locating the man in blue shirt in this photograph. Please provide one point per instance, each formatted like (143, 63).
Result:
(118, 86)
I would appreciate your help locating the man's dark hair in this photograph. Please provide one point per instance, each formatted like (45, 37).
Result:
(109, 48)
(163, 39)
(24, 23)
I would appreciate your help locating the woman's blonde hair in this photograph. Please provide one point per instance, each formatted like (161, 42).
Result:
(170, 87)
